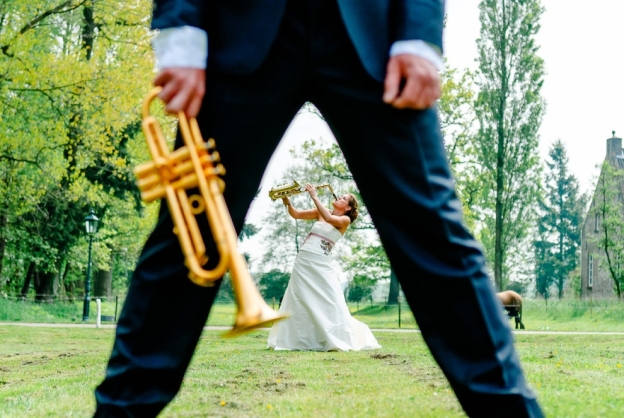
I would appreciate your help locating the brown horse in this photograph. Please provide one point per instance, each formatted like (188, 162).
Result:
(512, 302)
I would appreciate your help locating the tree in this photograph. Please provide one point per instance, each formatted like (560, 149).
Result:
(368, 261)
(273, 284)
(457, 120)
(608, 210)
(509, 111)
(360, 288)
(560, 222)
(545, 271)
(394, 289)
(71, 130)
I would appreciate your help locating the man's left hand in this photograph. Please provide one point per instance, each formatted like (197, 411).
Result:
(422, 84)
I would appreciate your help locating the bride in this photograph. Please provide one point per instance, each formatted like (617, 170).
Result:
(319, 317)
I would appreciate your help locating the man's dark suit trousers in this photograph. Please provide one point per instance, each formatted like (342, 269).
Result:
(398, 161)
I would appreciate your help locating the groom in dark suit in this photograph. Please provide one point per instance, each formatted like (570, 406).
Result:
(244, 68)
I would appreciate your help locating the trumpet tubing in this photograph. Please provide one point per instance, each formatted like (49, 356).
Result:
(196, 165)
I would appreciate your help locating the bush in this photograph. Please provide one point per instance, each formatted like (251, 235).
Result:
(273, 284)
(360, 288)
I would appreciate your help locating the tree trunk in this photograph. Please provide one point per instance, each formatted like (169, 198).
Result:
(69, 287)
(27, 279)
(498, 246)
(103, 283)
(393, 292)
(43, 286)
(56, 282)
(3, 224)
(500, 165)
(560, 269)
(62, 286)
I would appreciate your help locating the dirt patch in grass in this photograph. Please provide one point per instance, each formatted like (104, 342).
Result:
(383, 356)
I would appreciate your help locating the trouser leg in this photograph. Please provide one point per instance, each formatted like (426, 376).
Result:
(164, 312)
(410, 197)
(398, 160)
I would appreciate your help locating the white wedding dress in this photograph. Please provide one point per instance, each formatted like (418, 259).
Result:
(319, 317)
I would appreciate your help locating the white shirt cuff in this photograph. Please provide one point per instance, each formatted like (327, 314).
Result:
(420, 48)
(185, 46)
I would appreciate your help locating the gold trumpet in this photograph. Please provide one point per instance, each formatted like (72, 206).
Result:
(286, 190)
(197, 165)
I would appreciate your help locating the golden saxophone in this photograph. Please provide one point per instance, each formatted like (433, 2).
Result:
(197, 166)
(286, 190)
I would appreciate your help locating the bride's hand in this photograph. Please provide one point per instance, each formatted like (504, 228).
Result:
(311, 189)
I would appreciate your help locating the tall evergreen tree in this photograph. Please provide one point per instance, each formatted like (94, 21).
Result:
(509, 110)
(560, 222)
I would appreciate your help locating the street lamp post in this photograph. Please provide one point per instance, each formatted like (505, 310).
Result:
(91, 225)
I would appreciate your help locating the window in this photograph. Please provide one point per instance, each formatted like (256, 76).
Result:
(590, 272)
(597, 225)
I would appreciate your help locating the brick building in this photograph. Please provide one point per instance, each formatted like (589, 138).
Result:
(596, 282)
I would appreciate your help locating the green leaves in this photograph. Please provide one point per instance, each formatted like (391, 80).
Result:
(509, 110)
(559, 224)
(71, 83)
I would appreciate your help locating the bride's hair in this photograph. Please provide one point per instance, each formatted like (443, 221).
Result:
(353, 212)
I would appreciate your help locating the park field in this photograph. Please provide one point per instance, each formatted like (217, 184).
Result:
(565, 315)
(52, 372)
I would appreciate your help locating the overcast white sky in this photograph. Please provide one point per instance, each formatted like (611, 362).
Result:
(581, 43)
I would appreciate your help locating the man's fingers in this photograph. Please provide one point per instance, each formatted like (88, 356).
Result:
(169, 90)
(194, 106)
(181, 100)
(410, 94)
(392, 81)
(422, 85)
(162, 78)
(182, 89)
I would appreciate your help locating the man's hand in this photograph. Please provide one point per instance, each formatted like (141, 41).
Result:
(422, 84)
(183, 89)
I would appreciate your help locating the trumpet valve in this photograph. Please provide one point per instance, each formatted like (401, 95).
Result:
(219, 170)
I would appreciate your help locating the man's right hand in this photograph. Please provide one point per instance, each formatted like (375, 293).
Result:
(183, 89)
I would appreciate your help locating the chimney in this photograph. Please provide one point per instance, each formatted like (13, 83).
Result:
(614, 146)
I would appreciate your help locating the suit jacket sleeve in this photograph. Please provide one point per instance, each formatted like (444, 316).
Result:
(419, 19)
(177, 13)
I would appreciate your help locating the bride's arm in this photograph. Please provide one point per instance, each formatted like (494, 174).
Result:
(300, 214)
(341, 222)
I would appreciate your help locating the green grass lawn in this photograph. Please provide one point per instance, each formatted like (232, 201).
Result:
(53, 371)
(563, 315)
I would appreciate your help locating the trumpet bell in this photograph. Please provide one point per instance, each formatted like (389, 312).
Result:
(247, 321)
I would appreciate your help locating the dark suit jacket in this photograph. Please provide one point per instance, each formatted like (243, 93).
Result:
(241, 32)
